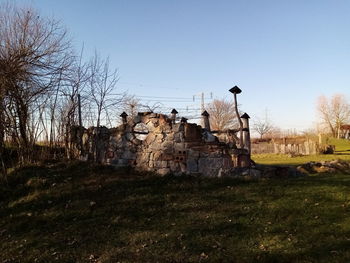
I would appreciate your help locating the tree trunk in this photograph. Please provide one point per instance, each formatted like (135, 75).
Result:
(2, 134)
(22, 112)
(67, 137)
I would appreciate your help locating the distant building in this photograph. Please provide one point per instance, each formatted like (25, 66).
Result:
(345, 131)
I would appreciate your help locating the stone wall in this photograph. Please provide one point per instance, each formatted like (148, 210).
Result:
(295, 146)
(167, 147)
(298, 146)
(262, 147)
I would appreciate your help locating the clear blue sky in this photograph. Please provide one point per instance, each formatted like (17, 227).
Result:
(282, 54)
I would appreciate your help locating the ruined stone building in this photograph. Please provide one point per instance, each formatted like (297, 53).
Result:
(164, 145)
(345, 131)
(293, 145)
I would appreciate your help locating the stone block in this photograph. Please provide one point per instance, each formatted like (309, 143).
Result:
(137, 119)
(153, 115)
(183, 167)
(208, 137)
(155, 147)
(179, 147)
(174, 166)
(160, 164)
(216, 154)
(168, 147)
(169, 137)
(128, 155)
(209, 166)
(144, 157)
(203, 154)
(227, 162)
(180, 158)
(129, 136)
(166, 157)
(192, 154)
(193, 132)
(164, 164)
(122, 162)
(178, 127)
(179, 137)
(150, 138)
(192, 165)
(157, 155)
(154, 122)
(166, 128)
(163, 171)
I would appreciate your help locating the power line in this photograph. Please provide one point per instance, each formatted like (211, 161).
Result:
(138, 85)
(167, 100)
(158, 97)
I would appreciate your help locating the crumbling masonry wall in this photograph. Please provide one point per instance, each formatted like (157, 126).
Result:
(293, 146)
(166, 147)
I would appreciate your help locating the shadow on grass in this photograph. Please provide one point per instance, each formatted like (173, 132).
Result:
(81, 213)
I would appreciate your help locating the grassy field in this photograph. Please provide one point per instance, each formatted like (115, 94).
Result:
(342, 151)
(80, 213)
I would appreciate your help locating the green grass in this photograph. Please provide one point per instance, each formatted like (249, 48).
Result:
(342, 151)
(47, 215)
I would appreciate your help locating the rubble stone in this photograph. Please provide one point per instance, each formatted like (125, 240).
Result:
(167, 148)
(335, 166)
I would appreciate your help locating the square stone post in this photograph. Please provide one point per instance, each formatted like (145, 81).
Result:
(173, 115)
(235, 90)
(246, 132)
(206, 122)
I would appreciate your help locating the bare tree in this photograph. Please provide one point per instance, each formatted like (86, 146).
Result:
(75, 82)
(333, 112)
(102, 84)
(131, 105)
(151, 106)
(275, 132)
(263, 125)
(222, 115)
(34, 51)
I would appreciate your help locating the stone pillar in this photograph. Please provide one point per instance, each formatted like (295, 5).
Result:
(124, 117)
(320, 139)
(206, 122)
(173, 115)
(183, 120)
(235, 90)
(246, 133)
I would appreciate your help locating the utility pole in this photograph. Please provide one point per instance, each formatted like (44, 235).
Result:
(202, 104)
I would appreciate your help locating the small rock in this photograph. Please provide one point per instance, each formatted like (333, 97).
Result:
(204, 256)
(255, 173)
